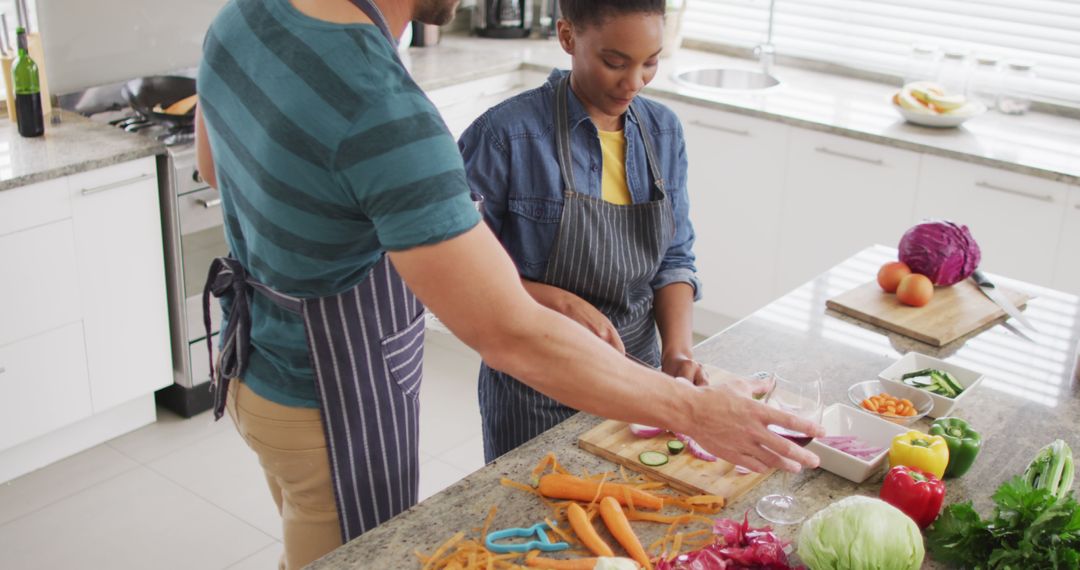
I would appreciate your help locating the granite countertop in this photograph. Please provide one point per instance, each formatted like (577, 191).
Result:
(1037, 144)
(1029, 397)
(74, 145)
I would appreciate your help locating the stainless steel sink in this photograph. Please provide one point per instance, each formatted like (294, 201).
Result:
(721, 79)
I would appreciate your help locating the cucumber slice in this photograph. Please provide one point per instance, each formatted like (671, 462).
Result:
(675, 447)
(653, 458)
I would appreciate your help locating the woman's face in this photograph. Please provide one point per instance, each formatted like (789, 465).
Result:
(613, 60)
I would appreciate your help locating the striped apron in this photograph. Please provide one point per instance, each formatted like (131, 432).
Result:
(366, 347)
(606, 254)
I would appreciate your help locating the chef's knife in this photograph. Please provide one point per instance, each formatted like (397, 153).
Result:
(988, 289)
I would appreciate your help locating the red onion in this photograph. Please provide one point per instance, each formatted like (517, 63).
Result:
(645, 431)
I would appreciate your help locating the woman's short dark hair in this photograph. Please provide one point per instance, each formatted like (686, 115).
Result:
(592, 12)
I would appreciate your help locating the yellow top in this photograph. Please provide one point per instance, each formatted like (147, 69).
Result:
(613, 186)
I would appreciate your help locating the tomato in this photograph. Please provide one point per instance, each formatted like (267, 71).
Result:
(890, 274)
(915, 290)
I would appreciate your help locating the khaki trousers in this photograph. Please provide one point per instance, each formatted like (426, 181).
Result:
(291, 446)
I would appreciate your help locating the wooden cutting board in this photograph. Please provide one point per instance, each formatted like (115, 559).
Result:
(613, 441)
(953, 312)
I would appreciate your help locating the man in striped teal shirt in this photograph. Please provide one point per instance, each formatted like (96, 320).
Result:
(329, 156)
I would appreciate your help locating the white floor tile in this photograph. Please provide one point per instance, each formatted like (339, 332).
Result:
(136, 520)
(437, 475)
(61, 479)
(170, 433)
(224, 471)
(265, 559)
(467, 457)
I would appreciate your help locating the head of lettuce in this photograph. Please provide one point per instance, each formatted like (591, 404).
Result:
(861, 532)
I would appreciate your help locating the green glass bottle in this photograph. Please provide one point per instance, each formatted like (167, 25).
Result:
(24, 78)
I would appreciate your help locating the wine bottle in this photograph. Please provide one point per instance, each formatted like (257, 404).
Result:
(24, 77)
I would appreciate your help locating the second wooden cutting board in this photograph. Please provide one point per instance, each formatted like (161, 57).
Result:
(953, 312)
(612, 440)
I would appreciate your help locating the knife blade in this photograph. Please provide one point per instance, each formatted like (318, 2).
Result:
(992, 292)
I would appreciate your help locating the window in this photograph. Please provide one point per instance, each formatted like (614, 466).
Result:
(877, 35)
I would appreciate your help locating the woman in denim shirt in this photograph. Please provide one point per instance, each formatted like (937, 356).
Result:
(584, 183)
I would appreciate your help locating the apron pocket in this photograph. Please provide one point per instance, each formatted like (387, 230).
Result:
(403, 352)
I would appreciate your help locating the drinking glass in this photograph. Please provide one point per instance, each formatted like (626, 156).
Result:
(797, 391)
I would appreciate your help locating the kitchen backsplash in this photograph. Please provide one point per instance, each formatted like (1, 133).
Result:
(91, 42)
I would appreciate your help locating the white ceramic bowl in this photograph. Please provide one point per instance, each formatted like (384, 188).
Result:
(840, 420)
(972, 109)
(919, 398)
(913, 361)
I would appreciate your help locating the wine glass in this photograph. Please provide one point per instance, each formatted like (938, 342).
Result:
(798, 392)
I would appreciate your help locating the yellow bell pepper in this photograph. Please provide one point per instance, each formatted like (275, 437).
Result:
(921, 451)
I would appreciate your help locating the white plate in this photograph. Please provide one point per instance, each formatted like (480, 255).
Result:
(941, 121)
(839, 420)
(913, 361)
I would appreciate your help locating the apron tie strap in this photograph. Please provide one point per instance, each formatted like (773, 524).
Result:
(228, 277)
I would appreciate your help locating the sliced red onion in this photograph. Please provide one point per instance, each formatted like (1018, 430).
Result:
(697, 450)
(645, 431)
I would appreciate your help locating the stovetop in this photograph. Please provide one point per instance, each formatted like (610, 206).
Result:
(106, 104)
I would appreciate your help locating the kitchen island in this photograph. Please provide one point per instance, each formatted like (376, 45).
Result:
(1029, 397)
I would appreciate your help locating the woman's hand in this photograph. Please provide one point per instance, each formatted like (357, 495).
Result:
(591, 318)
(682, 366)
(578, 309)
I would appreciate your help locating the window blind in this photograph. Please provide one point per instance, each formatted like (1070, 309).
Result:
(878, 35)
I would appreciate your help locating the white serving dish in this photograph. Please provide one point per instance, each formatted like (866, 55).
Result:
(913, 361)
(840, 420)
(955, 119)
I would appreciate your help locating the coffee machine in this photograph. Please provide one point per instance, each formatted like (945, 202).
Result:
(503, 18)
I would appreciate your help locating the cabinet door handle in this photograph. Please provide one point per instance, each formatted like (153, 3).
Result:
(104, 187)
(831, 152)
(721, 128)
(209, 203)
(1021, 193)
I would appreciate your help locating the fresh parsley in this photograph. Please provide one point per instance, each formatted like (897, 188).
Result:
(1031, 528)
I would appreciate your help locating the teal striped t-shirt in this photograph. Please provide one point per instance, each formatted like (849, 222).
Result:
(327, 155)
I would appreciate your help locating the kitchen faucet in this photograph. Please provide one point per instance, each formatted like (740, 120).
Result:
(766, 52)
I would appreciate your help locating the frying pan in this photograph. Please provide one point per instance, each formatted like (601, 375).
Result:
(145, 93)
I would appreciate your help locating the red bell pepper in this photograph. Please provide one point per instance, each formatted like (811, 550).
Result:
(917, 493)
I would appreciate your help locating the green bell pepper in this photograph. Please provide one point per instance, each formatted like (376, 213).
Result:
(963, 442)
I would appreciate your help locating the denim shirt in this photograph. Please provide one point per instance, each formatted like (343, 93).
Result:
(510, 160)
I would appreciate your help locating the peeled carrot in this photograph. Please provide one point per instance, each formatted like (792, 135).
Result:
(615, 519)
(556, 564)
(579, 521)
(560, 486)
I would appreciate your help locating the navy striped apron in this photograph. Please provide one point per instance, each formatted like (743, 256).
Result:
(366, 347)
(608, 255)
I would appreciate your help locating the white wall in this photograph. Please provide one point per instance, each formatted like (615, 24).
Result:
(91, 42)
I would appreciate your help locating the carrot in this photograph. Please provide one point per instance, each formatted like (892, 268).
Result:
(560, 486)
(615, 519)
(556, 564)
(579, 521)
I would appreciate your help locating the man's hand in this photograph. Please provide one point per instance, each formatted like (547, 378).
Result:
(734, 427)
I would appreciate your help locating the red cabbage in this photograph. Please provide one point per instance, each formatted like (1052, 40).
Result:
(941, 250)
(737, 546)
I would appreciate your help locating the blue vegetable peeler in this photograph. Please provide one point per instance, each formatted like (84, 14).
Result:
(544, 544)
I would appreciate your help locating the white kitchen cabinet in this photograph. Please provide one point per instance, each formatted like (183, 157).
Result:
(43, 384)
(841, 195)
(84, 334)
(122, 281)
(1015, 218)
(1067, 271)
(39, 290)
(736, 194)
